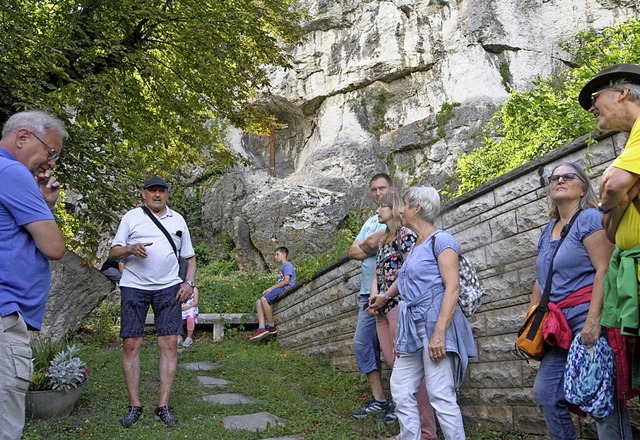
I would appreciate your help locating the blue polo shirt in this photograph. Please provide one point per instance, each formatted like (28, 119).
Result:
(25, 275)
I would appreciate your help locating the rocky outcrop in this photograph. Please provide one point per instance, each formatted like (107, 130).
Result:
(401, 86)
(75, 291)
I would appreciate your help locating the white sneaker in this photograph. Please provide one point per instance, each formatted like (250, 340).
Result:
(179, 341)
(187, 342)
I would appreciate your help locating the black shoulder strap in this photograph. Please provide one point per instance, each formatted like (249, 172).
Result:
(159, 225)
(544, 300)
(433, 244)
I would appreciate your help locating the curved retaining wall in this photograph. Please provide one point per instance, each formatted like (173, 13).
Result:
(497, 227)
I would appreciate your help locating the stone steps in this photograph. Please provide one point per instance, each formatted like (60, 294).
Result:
(251, 422)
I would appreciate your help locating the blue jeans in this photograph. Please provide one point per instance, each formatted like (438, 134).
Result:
(549, 393)
(365, 341)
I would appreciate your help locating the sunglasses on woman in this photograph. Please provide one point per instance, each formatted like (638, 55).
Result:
(565, 177)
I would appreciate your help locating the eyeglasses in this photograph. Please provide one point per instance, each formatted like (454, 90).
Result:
(384, 206)
(566, 177)
(594, 96)
(52, 154)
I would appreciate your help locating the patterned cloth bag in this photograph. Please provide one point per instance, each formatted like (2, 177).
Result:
(470, 297)
(589, 377)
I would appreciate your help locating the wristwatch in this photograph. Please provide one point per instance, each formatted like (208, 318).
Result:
(191, 283)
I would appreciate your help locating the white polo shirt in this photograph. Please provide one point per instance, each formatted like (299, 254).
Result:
(160, 269)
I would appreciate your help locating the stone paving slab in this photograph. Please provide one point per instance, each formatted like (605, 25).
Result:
(199, 366)
(254, 422)
(212, 381)
(228, 399)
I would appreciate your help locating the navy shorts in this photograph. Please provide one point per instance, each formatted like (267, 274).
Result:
(134, 305)
(274, 294)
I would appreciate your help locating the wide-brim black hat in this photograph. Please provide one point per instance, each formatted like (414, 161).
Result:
(630, 72)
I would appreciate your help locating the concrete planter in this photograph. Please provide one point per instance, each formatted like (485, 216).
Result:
(52, 404)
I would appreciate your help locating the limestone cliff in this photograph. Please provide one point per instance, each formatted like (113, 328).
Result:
(401, 86)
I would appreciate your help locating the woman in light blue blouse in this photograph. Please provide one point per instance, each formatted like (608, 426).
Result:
(579, 268)
(434, 339)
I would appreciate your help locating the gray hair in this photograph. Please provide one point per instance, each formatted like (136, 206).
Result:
(621, 84)
(427, 198)
(588, 200)
(37, 121)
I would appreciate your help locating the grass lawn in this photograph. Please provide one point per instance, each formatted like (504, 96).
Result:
(312, 395)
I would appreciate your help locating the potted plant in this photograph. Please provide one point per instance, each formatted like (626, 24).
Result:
(58, 379)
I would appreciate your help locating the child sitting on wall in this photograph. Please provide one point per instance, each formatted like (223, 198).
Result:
(286, 279)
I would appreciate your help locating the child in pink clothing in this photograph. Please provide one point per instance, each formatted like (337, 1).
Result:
(190, 315)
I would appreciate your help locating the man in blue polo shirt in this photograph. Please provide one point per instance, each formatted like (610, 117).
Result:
(29, 237)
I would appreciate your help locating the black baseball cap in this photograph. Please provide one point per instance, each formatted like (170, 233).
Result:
(630, 72)
(155, 181)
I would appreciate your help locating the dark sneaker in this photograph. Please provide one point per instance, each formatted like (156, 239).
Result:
(133, 415)
(163, 414)
(369, 408)
(388, 417)
(261, 333)
(272, 330)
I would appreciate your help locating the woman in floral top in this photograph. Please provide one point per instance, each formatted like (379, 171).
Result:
(394, 246)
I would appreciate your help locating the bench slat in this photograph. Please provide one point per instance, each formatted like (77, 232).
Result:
(218, 320)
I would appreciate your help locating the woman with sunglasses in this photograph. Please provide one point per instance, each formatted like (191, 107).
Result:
(579, 269)
(395, 244)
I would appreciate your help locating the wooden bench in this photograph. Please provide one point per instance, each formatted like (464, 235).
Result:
(219, 321)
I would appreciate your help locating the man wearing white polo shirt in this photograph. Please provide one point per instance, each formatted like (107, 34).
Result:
(151, 277)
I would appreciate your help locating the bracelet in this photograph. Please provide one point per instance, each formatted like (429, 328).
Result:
(387, 297)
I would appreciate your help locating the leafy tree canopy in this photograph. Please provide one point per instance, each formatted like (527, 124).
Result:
(536, 122)
(138, 83)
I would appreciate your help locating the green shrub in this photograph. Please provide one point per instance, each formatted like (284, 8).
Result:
(533, 123)
(103, 326)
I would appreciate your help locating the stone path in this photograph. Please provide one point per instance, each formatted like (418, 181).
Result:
(251, 422)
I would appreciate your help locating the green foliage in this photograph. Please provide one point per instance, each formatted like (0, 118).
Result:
(103, 326)
(533, 123)
(445, 115)
(222, 267)
(67, 222)
(505, 74)
(203, 253)
(225, 292)
(43, 351)
(307, 267)
(379, 111)
(138, 83)
(66, 370)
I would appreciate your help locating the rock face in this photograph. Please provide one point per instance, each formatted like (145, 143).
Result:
(398, 86)
(75, 291)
